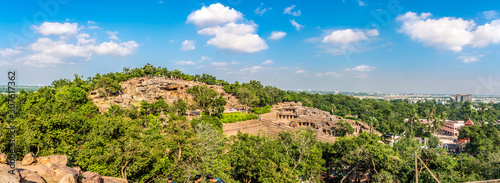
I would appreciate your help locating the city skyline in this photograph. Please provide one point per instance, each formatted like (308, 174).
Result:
(351, 45)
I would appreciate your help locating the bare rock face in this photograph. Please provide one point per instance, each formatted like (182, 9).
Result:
(3, 158)
(58, 171)
(58, 159)
(113, 180)
(91, 177)
(6, 177)
(28, 159)
(42, 160)
(68, 179)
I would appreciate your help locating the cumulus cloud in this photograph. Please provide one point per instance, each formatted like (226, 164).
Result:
(221, 22)
(299, 71)
(448, 33)
(267, 62)
(9, 52)
(348, 36)
(253, 69)
(70, 46)
(296, 25)
(235, 37)
(288, 10)
(188, 45)
(470, 58)
(112, 35)
(486, 34)
(185, 62)
(56, 28)
(329, 74)
(362, 68)
(223, 64)
(490, 14)
(275, 35)
(343, 41)
(214, 14)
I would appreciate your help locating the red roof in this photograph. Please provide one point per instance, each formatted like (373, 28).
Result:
(469, 123)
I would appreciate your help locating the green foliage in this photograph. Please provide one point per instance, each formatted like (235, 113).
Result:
(208, 100)
(262, 110)
(237, 116)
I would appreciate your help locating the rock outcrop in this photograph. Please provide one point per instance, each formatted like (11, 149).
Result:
(50, 169)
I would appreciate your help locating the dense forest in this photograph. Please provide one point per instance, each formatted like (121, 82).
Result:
(137, 144)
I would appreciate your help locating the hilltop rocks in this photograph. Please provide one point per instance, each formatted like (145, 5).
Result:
(58, 171)
(58, 159)
(28, 159)
(6, 177)
(42, 160)
(68, 179)
(91, 177)
(113, 180)
(3, 158)
(118, 99)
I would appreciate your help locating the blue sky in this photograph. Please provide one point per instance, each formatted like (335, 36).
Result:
(351, 45)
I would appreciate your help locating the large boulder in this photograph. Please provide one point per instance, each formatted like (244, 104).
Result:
(58, 159)
(6, 177)
(57, 171)
(42, 160)
(91, 177)
(113, 180)
(3, 158)
(28, 159)
(68, 179)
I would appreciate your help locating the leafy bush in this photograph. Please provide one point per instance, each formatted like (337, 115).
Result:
(262, 110)
(237, 116)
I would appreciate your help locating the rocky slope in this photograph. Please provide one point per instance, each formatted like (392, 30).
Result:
(153, 88)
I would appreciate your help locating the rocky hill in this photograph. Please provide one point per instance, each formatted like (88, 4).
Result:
(153, 88)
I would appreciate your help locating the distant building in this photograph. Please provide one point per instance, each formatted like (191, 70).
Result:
(453, 127)
(461, 98)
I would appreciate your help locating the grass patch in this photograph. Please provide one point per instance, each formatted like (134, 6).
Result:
(237, 116)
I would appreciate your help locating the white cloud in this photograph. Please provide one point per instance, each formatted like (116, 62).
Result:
(445, 33)
(116, 49)
(188, 45)
(235, 37)
(267, 62)
(469, 58)
(112, 35)
(215, 14)
(299, 71)
(184, 62)
(220, 64)
(56, 28)
(90, 22)
(362, 68)
(361, 3)
(275, 35)
(288, 10)
(203, 58)
(253, 69)
(261, 12)
(93, 27)
(221, 22)
(348, 36)
(9, 52)
(486, 34)
(296, 25)
(329, 74)
(490, 14)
